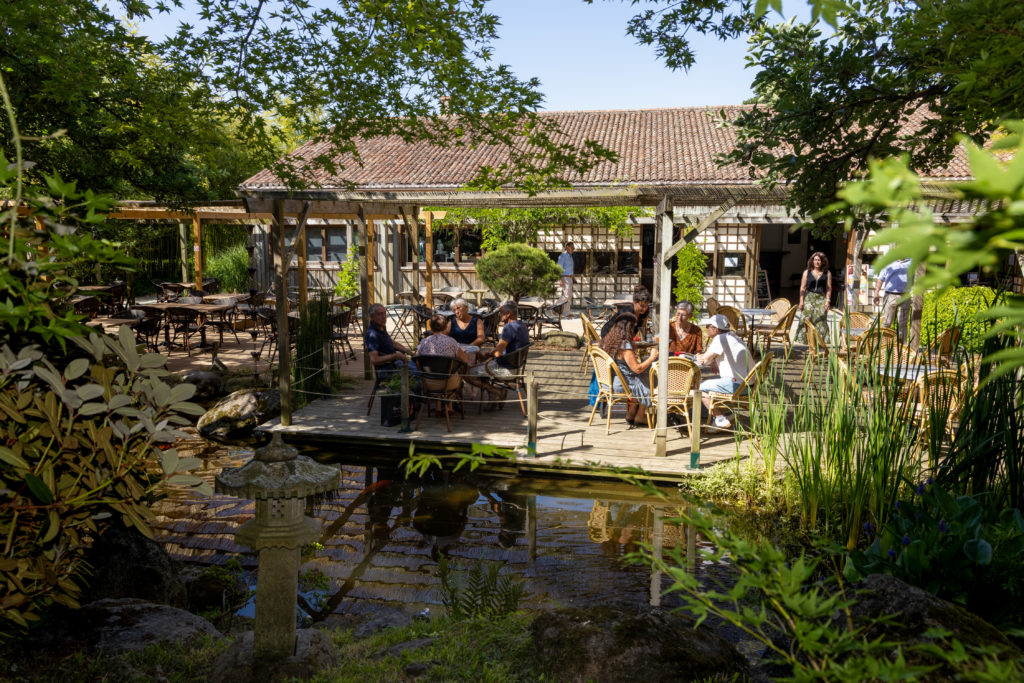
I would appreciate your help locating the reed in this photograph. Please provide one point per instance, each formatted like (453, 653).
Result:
(313, 333)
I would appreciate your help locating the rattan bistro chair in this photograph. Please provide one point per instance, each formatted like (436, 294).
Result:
(779, 331)
(590, 338)
(440, 380)
(741, 397)
(683, 376)
(607, 371)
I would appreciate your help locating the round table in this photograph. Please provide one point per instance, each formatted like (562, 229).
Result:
(479, 294)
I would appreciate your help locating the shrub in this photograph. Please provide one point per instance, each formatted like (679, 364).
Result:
(347, 284)
(313, 332)
(231, 267)
(691, 264)
(78, 446)
(957, 306)
(518, 270)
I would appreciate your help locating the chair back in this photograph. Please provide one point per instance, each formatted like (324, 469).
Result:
(711, 303)
(857, 319)
(815, 344)
(947, 341)
(753, 378)
(589, 331)
(683, 375)
(880, 342)
(942, 394)
(607, 370)
(780, 306)
(439, 374)
(736, 319)
(785, 322)
(491, 321)
(516, 361)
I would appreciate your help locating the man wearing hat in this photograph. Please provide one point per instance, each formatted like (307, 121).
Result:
(730, 354)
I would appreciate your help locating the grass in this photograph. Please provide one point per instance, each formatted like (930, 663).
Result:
(497, 649)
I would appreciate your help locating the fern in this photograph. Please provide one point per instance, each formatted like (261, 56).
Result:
(481, 593)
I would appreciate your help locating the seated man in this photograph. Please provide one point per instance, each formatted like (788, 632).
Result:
(386, 355)
(728, 352)
(514, 336)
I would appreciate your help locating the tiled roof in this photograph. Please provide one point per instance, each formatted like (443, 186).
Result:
(655, 147)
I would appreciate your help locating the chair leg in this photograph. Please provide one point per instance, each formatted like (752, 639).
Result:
(593, 410)
(522, 404)
(369, 406)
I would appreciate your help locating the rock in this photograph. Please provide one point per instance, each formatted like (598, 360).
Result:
(916, 611)
(367, 624)
(240, 382)
(562, 340)
(209, 384)
(314, 653)
(417, 669)
(648, 644)
(398, 649)
(126, 564)
(126, 624)
(213, 587)
(233, 419)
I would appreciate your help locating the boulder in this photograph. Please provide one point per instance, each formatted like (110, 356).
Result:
(213, 588)
(125, 624)
(916, 611)
(645, 644)
(558, 339)
(126, 564)
(209, 384)
(314, 653)
(233, 420)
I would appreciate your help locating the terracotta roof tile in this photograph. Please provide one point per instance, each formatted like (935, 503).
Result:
(655, 146)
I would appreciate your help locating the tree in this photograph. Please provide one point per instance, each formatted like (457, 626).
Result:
(518, 270)
(826, 104)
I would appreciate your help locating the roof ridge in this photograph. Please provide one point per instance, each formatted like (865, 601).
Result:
(704, 107)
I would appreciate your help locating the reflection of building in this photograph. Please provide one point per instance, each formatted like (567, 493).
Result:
(662, 153)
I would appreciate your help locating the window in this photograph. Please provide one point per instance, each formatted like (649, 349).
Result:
(629, 262)
(602, 262)
(470, 242)
(731, 264)
(314, 243)
(337, 244)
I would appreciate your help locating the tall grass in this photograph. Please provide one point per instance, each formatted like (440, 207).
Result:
(231, 267)
(313, 332)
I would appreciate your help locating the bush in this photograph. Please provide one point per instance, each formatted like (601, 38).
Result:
(347, 285)
(958, 306)
(517, 270)
(691, 264)
(79, 446)
(231, 267)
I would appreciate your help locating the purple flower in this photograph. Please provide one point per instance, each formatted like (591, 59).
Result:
(906, 539)
(942, 526)
(929, 481)
(920, 489)
(868, 528)
(896, 507)
(891, 553)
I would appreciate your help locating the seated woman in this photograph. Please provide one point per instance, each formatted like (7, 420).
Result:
(617, 344)
(465, 328)
(683, 335)
(439, 343)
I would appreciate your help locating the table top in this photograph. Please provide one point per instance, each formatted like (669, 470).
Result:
(98, 288)
(757, 311)
(202, 308)
(221, 298)
(858, 330)
(909, 373)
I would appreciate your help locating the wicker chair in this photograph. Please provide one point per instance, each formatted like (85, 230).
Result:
(737, 321)
(781, 306)
(779, 331)
(683, 375)
(711, 304)
(607, 371)
(941, 352)
(590, 338)
(440, 380)
(741, 397)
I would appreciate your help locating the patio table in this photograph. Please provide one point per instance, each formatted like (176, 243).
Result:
(204, 310)
(906, 373)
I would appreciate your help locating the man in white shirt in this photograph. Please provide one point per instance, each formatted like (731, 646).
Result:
(565, 262)
(730, 354)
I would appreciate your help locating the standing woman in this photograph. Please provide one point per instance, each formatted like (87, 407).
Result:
(815, 296)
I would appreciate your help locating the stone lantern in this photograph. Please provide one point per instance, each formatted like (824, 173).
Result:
(279, 480)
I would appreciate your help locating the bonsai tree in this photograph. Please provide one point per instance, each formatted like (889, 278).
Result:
(518, 270)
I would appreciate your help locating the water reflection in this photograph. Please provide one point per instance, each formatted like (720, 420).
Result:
(383, 534)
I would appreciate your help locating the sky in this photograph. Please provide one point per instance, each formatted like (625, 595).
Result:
(585, 60)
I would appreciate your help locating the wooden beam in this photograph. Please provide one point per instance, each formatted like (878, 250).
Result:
(663, 280)
(371, 258)
(183, 241)
(429, 239)
(706, 222)
(284, 370)
(197, 248)
(300, 242)
(364, 294)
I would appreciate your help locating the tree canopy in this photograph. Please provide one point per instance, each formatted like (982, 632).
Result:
(193, 115)
(829, 101)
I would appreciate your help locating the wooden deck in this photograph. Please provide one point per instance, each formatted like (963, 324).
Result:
(566, 445)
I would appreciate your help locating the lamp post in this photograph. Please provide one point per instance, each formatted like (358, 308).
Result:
(279, 480)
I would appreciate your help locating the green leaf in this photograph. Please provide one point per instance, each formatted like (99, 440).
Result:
(76, 369)
(89, 392)
(39, 489)
(12, 458)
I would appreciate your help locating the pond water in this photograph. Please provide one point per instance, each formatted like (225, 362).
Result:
(382, 536)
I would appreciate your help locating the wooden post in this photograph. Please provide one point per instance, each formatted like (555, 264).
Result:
(405, 400)
(429, 249)
(663, 279)
(284, 351)
(531, 414)
(183, 250)
(328, 365)
(364, 293)
(300, 237)
(695, 396)
(691, 545)
(371, 259)
(197, 247)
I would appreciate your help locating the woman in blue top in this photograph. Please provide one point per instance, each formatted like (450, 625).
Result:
(465, 328)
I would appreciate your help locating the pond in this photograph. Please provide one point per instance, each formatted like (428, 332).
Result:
(382, 535)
